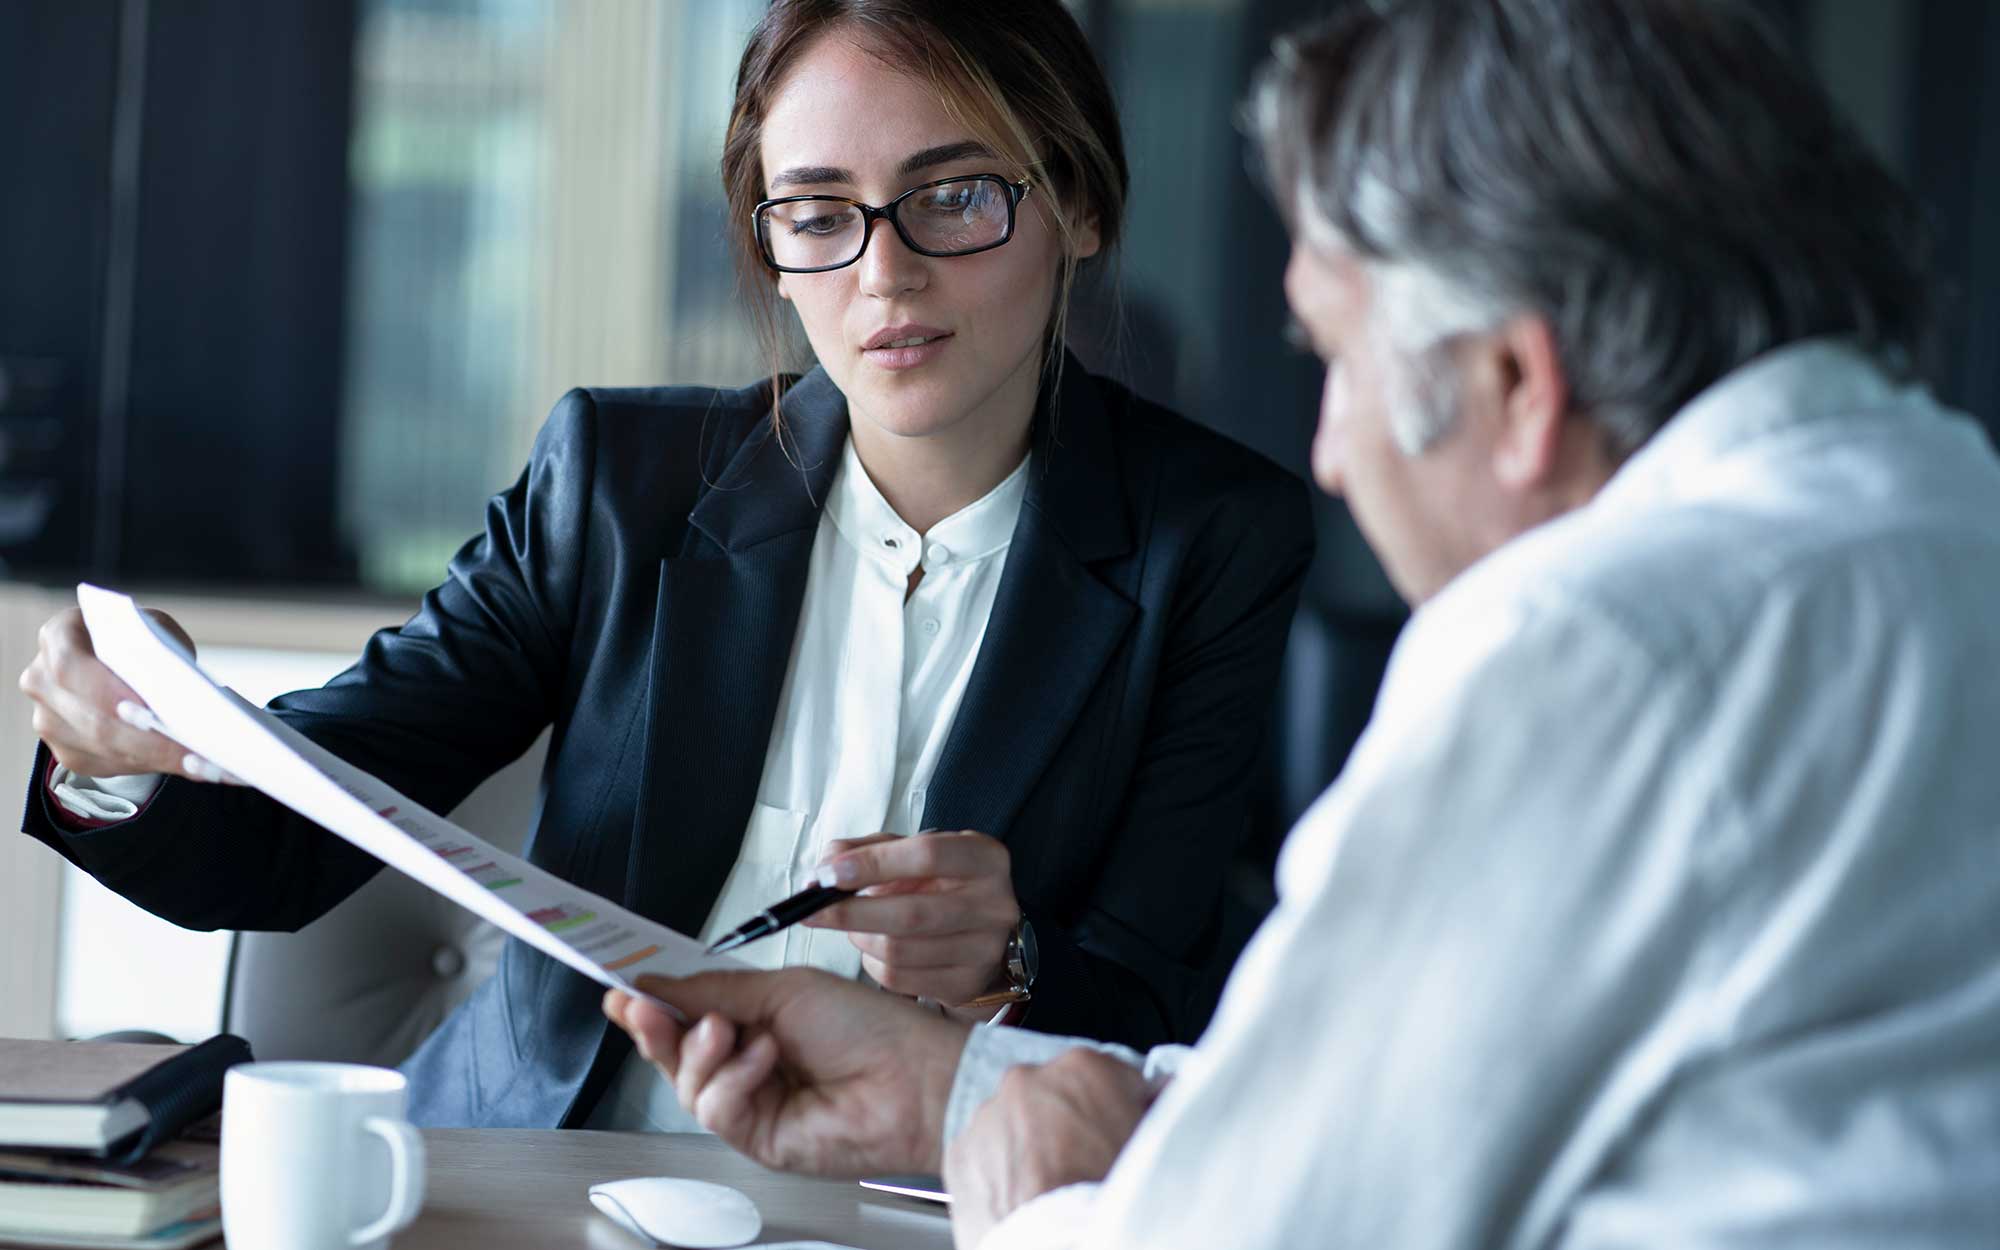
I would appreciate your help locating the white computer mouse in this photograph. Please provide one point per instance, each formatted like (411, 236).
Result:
(672, 1211)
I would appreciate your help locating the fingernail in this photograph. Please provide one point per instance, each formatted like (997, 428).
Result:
(841, 872)
(200, 768)
(136, 716)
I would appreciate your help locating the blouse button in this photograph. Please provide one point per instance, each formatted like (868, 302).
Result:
(931, 628)
(938, 554)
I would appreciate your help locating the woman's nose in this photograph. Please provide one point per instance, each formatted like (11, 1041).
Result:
(1329, 458)
(888, 267)
(1329, 444)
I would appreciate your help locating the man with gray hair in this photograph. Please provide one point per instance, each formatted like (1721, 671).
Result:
(1660, 903)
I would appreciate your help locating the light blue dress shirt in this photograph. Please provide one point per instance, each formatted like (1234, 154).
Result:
(1659, 905)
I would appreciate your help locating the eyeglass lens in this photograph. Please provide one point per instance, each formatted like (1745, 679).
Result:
(963, 215)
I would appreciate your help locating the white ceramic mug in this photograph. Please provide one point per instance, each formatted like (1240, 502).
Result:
(317, 1156)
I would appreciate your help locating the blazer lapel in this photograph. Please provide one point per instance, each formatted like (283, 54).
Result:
(1054, 625)
(722, 638)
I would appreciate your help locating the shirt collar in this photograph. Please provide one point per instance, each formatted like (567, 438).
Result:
(864, 519)
(1776, 392)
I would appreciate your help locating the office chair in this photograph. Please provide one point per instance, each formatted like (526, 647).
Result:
(369, 980)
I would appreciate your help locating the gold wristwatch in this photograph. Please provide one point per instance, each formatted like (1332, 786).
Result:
(1020, 964)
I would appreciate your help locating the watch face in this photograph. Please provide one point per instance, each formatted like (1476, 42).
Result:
(1031, 952)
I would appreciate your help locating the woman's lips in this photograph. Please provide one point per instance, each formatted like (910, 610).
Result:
(906, 351)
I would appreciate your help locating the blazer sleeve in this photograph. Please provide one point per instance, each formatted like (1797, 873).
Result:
(433, 708)
(1128, 968)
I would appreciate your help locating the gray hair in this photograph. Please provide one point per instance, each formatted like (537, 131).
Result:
(1658, 179)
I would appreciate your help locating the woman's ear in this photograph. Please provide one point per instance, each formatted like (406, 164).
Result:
(1079, 232)
(1085, 237)
(780, 285)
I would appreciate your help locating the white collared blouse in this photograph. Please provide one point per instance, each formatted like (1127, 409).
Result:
(870, 694)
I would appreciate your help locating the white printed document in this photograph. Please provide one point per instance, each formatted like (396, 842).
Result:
(591, 934)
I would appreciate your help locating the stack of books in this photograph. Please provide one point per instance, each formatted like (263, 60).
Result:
(166, 1200)
(109, 1145)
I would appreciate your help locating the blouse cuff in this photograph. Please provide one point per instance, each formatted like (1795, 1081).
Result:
(95, 802)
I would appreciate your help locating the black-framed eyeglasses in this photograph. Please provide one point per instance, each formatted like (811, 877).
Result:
(949, 217)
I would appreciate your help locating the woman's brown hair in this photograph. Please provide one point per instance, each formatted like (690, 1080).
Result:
(1019, 76)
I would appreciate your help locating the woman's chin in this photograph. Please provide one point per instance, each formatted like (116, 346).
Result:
(908, 411)
(909, 425)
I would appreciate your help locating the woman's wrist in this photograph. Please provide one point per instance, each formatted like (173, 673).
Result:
(1011, 984)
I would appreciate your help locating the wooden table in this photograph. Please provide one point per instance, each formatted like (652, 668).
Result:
(492, 1189)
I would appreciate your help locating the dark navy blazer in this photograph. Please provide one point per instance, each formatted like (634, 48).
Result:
(640, 587)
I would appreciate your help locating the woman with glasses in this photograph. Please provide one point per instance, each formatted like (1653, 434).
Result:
(946, 582)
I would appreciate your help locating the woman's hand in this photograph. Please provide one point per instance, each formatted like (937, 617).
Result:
(93, 723)
(934, 913)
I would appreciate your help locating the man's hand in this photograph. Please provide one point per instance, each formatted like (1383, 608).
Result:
(93, 723)
(1047, 1127)
(802, 1070)
(934, 913)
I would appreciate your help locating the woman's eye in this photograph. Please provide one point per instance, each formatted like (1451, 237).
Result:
(952, 199)
(825, 224)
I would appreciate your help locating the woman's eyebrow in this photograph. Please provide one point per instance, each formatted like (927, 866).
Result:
(915, 162)
(810, 175)
(942, 154)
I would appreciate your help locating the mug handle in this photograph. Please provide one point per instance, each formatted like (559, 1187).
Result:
(406, 1178)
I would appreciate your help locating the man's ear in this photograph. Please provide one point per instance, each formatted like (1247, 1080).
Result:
(1534, 403)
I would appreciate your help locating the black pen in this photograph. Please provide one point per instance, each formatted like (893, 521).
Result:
(782, 915)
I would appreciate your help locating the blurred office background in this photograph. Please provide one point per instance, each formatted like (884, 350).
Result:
(287, 286)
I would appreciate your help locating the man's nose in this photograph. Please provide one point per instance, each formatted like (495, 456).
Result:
(888, 266)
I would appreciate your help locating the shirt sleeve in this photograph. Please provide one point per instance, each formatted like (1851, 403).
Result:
(1469, 983)
(991, 1050)
(1049, 1222)
(102, 800)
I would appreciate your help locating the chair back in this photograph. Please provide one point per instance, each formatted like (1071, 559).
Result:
(369, 980)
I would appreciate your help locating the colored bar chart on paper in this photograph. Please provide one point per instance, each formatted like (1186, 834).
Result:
(589, 933)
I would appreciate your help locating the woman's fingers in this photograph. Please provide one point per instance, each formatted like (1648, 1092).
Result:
(840, 845)
(87, 739)
(928, 914)
(919, 954)
(932, 914)
(940, 985)
(139, 717)
(94, 723)
(947, 969)
(872, 861)
(172, 626)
